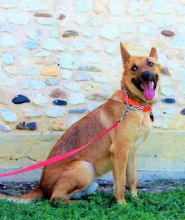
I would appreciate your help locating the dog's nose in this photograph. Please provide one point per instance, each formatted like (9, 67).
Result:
(146, 76)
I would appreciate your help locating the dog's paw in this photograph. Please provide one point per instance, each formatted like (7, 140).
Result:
(121, 202)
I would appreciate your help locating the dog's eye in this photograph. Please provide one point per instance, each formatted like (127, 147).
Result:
(149, 63)
(134, 68)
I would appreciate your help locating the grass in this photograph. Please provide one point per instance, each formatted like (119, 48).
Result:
(148, 206)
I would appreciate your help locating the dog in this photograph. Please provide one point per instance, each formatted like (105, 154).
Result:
(117, 150)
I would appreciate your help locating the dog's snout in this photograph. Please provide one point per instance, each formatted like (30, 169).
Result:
(146, 76)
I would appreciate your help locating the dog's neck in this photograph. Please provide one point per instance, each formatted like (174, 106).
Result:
(132, 96)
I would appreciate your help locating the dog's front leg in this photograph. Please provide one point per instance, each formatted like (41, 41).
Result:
(131, 175)
(119, 157)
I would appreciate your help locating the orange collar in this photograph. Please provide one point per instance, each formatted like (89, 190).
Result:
(135, 104)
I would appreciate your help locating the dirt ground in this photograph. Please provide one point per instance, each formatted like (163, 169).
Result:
(16, 188)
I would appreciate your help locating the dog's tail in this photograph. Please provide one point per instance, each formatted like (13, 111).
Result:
(34, 194)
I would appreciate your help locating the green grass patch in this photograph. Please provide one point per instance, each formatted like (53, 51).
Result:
(148, 206)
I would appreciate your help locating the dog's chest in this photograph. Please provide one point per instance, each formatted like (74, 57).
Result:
(143, 130)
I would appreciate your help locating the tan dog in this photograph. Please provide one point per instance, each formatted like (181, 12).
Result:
(115, 151)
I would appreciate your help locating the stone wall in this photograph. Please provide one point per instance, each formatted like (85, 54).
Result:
(67, 52)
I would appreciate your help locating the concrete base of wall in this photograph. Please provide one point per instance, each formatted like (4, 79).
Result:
(161, 156)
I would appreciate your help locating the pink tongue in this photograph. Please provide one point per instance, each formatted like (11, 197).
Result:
(149, 91)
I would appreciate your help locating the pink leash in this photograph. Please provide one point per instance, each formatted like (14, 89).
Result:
(59, 157)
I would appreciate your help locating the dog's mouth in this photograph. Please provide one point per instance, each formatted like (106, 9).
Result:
(146, 87)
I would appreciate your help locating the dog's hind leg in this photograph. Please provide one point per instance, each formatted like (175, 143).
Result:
(77, 178)
(131, 175)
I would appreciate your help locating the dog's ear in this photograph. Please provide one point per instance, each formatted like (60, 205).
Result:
(153, 53)
(125, 54)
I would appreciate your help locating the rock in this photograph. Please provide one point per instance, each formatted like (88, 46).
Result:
(53, 45)
(31, 126)
(67, 74)
(83, 5)
(40, 99)
(34, 34)
(98, 96)
(82, 77)
(77, 45)
(92, 105)
(162, 123)
(78, 111)
(112, 48)
(168, 112)
(87, 32)
(91, 58)
(183, 111)
(110, 32)
(52, 82)
(31, 45)
(44, 15)
(30, 112)
(50, 71)
(167, 33)
(106, 88)
(25, 62)
(6, 80)
(165, 71)
(98, 7)
(72, 120)
(18, 18)
(23, 53)
(178, 42)
(168, 91)
(4, 128)
(8, 41)
(61, 17)
(59, 102)
(6, 27)
(72, 86)
(55, 112)
(8, 4)
(89, 68)
(68, 61)
(148, 30)
(96, 21)
(8, 115)
(57, 93)
(70, 33)
(161, 7)
(48, 21)
(42, 54)
(77, 98)
(34, 5)
(81, 19)
(99, 78)
(11, 69)
(134, 8)
(33, 84)
(3, 17)
(8, 58)
(169, 100)
(19, 99)
(57, 124)
(115, 8)
(27, 126)
(95, 47)
(54, 32)
(29, 72)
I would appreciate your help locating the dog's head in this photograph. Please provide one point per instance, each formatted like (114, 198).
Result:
(141, 75)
